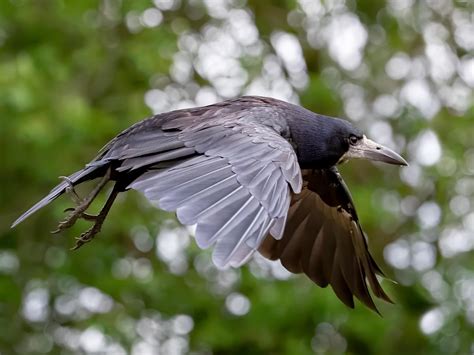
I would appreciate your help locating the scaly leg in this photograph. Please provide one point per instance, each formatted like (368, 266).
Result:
(82, 205)
(71, 190)
(88, 235)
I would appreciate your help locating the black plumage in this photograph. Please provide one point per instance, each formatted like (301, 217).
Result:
(252, 173)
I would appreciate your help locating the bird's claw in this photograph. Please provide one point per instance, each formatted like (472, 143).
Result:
(85, 216)
(70, 220)
(77, 212)
(67, 222)
(86, 237)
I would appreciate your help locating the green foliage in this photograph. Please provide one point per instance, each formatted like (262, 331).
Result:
(74, 74)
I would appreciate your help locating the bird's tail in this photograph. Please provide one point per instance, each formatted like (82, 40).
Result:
(75, 178)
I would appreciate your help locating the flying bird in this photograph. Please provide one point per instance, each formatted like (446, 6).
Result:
(253, 174)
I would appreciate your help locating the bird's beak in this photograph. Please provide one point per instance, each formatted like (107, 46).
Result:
(370, 150)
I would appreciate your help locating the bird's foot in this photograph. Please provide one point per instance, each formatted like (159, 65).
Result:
(74, 215)
(82, 204)
(85, 216)
(88, 235)
(79, 212)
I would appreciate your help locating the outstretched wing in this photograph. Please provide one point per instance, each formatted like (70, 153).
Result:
(323, 239)
(232, 180)
(225, 167)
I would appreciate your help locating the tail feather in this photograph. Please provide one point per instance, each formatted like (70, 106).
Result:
(55, 193)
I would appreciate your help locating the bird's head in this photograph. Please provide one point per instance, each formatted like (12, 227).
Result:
(358, 146)
(323, 141)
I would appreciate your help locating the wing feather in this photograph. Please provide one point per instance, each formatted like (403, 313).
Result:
(234, 185)
(208, 203)
(323, 239)
(141, 161)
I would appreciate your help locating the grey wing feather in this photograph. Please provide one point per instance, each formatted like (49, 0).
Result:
(147, 160)
(236, 191)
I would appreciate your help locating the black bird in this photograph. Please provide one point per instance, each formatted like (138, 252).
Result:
(252, 173)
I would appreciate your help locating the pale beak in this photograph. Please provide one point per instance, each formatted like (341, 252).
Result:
(370, 150)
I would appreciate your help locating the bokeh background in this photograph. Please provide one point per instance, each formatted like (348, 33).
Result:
(75, 73)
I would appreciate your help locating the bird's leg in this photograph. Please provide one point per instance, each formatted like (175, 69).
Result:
(81, 204)
(88, 235)
(71, 190)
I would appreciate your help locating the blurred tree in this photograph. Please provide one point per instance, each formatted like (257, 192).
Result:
(74, 74)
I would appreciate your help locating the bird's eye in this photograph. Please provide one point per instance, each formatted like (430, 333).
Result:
(353, 140)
